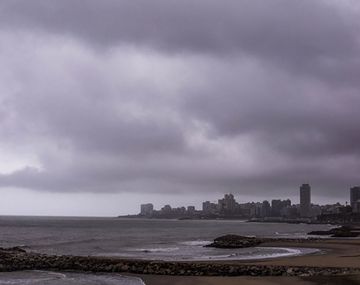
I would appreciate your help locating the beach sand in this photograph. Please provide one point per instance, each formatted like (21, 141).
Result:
(180, 280)
(334, 253)
(187, 280)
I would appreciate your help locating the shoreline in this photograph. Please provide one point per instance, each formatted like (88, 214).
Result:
(339, 257)
(246, 280)
(335, 252)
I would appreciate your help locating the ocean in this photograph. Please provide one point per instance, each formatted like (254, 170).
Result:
(135, 238)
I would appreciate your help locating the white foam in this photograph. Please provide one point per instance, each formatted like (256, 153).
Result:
(56, 278)
(196, 242)
(158, 249)
(236, 256)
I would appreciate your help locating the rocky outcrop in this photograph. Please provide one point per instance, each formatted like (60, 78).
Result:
(234, 241)
(12, 260)
(344, 231)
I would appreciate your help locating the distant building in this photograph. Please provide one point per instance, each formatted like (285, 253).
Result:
(209, 208)
(278, 207)
(166, 209)
(354, 196)
(305, 201)
(356, 207)
(265, 209)
(227, 204)
(290, 212)
(315, 210)
(257, 209)
(146, 209)
(191, 210)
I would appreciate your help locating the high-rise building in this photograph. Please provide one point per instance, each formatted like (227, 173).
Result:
(278, 206)
(209, 208)
(305, 200)
(146, 209)
(265, 209)
(166, 209)
(227, 204)
(354, 196)
(275, 208)
(191, 210)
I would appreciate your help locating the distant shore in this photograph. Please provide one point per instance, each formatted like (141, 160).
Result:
(235, 218)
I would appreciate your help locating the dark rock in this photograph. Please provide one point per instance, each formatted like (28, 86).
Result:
(12, 249)
(234, 241)
(345, 234)
(344, 231)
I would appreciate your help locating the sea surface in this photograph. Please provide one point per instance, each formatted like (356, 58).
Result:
(135, 238)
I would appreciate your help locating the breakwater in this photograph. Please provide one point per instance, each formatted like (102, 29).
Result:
(16, 259)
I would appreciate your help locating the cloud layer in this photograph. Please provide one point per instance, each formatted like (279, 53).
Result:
(252, 97)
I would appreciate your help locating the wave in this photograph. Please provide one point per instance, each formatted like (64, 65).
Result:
(258, 256)
(158, 249)
(196, 242)
(58, 278)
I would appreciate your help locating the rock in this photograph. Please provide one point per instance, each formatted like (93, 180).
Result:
(234, 241)
(13, 249)
(344, 231)
(320, 233)
(345, 234)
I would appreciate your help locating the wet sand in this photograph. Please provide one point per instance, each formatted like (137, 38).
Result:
(180, 280)
(334, 253)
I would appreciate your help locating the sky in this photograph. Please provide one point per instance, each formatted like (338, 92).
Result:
(105, 105)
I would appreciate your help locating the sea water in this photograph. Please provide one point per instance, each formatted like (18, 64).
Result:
(57, 278)
(138, 238)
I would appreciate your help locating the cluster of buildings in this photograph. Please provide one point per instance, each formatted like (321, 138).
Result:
(355, 199)
(276, 209)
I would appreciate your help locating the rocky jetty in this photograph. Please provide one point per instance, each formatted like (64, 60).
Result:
(344, 231)
(234, 241)
(17, 259)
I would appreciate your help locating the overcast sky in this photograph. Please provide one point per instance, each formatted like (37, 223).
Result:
(108, 104)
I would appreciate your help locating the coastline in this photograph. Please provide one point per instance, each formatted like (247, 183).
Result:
(338, 256)
(335, 253)
(272, 280)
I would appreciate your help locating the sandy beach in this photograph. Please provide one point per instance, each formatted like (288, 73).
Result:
(334, 253)
(180, 280)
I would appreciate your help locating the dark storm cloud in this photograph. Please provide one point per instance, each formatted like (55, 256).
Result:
(314, 38)
(296, 30)
(294, 115)
(170, 96)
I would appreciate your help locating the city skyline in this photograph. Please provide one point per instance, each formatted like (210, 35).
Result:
(229, 207)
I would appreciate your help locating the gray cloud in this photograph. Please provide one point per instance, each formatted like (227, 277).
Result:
(314, 38)
(169, 96)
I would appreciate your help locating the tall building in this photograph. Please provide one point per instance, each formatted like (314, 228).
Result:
(191, 210)
(166, 209)
(227, 204)
(278, 206)
(305, 200)
(275, 208)
(209, 208)
(265, 209)
(146, 209)
(354, 196)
